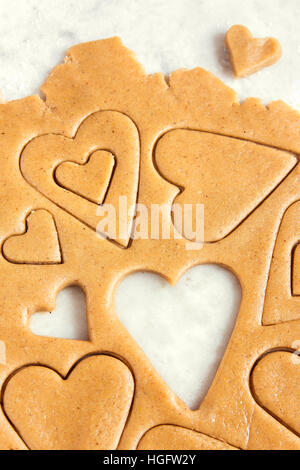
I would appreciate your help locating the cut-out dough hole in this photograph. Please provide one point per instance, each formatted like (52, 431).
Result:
(68, 320)
(183, 329)
(39, 244)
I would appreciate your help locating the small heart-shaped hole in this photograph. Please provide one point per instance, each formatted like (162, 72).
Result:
(68, 320)
(183, 329)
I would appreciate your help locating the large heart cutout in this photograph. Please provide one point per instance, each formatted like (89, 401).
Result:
(68, 320)
(183, 329)
(111, 131)
(86, 410)
(229, 176)
(282, 297)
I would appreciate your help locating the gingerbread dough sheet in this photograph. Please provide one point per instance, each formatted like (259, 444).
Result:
(104, 120)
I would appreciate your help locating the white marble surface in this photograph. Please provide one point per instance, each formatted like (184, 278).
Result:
(165, 36)
(183, 329)
(68, 320)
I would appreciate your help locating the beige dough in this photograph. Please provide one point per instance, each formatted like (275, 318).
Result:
(89, 180)
(242, 160)
(173, 437)
(38, 245)
(296, 271)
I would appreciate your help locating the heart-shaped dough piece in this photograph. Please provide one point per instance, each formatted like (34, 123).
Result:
(91, 179)
(276, 387)
(229, 176)
(296, 270)
(38, 245)
(87, 410)
(104, 130)
(249, 54)
(282, 303)
(167, 437)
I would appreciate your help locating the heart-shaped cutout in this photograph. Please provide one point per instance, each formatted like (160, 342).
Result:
(229, 176)
(183, 329)
(2, 352)
(296, 270)
(68, 320)
(111, 131)
(275, 384)
(91, 179)
(282, 303)
(39, 243)
(86, 410)
(249, 54)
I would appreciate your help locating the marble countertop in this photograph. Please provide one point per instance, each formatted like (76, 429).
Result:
(35, 35)
(165, 36)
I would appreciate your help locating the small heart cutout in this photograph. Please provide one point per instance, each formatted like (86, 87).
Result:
(239, 175)
(275, 384)
(91, 179)
(86, 410)
(38, 245)
(183, 329)
(68, 320)
(110, 131)
(249, 54)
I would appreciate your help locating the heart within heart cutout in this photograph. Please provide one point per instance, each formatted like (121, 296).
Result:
(106, 144)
